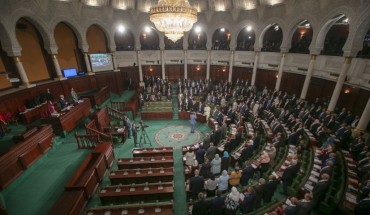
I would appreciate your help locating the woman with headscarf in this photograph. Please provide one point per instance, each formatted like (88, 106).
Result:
(225, 161)
(223, 181)
(232, 202)
(216, 165)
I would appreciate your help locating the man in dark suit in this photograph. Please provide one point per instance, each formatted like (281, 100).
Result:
(196, 184)
(328, 169)
(292, 208)
(288, 175)
(320, 188)
(270, 188)
(206, 141)
(304, 206)
(199, 155)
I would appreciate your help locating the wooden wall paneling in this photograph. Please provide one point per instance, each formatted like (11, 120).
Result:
(292, 83)
(152, 70)
(320, 88)
(174, 72)
(266, 78)
(242, 73)
(197, 72)
(219, 73)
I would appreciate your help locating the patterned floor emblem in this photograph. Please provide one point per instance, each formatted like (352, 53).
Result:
(176, 136)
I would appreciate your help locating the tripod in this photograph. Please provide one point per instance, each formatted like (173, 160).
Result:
(144, 136)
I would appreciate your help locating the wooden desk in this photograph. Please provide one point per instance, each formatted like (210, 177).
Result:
(72, 202)
(147, 209)
(84, 182)
(119, 194)
(185, 115)
(33, 114)
(139, 176)
(133, 106)
(88, 175)
(96, 96)
(107, 149)
(22, 155)
(152, 152)
(154, 115)
(68, 121)
(154, 162)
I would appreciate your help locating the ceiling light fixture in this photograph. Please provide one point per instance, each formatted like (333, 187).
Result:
(173, 17)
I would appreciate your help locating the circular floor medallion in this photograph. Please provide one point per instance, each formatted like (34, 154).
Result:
(177, 136)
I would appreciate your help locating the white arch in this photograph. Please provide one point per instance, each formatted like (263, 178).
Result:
(210, 31)
(76, 28)
(38, 23)
(357, 34)
(240, 26)
(292, 27)
(9, 40)
(327, 22)
(260, 33)
(110, 40)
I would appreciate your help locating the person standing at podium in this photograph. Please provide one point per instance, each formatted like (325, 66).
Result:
(193, 121)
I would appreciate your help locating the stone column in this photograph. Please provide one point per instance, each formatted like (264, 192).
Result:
(185, 64)
(231, 64)
(255, 66)
(115, 65)
(308, 77)
(163, 65)
(87, 61)
(280, 74)
(22, 73)
(365, 117)
(57, 67)
(208, 64)
(339, 84)
(139, 65)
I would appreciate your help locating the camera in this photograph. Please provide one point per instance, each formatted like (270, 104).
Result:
(142, 125)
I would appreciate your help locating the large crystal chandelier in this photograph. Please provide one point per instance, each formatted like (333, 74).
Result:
(173, 17)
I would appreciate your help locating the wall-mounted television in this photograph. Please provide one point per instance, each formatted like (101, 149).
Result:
(101, 62)
(71, 72)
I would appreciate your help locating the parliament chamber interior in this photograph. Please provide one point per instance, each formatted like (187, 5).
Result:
(203, 107)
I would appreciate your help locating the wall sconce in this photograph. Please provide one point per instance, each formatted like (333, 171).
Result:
(277, 76)
(198, 68)
(347, 91)
(150, 69)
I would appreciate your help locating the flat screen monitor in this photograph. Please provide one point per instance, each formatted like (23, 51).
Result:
(101, 62)
(71, 72)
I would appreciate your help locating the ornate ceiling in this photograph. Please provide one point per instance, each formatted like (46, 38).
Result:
(201, 5)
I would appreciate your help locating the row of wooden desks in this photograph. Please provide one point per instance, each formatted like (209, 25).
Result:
(152, 152)
(185, 115)
(119, 194)
(67, 121)
(147, 209)
(145, 162)
(150, 175)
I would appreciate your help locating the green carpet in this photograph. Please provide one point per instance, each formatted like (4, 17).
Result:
(39, 187)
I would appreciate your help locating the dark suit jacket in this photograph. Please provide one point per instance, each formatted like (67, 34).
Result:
(196, 184)
(201, 208)
(290, 173)
(320, 189)
(304, 208)
(270, 188)
(291, 210)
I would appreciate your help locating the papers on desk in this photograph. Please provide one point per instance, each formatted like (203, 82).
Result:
(288, 202)
(315, 166)
(317, 161)
(274, 174)
(313, 179)
(308, 187)
(254, 166)
(314, 173)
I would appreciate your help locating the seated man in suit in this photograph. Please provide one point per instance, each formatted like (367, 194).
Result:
(304, 206)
